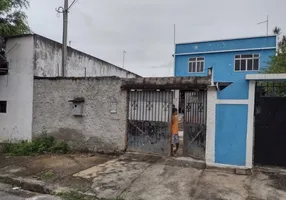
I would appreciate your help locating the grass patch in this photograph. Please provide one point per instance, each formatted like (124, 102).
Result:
(41, 145)
(73, 195)
(47, 175)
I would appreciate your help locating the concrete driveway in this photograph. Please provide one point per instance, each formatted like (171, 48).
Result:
(145, 180)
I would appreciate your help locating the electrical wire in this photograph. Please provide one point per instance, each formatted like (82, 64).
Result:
(73, 3)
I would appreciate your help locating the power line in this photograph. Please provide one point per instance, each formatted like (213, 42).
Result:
(73, 3)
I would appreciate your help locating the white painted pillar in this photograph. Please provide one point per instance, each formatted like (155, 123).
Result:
(250, 125)
(210, 132)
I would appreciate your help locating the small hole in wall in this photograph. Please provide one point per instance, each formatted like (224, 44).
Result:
(75, 106)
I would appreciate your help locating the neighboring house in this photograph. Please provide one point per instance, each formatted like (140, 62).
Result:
(34, 55)
(229, 118)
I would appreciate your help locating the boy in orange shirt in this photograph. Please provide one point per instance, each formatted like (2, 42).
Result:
(175, 130)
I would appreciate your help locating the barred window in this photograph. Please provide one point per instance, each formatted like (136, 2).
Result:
(246, 62)
(196, 64)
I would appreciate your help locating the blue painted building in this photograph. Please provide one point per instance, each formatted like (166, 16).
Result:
(229, 118)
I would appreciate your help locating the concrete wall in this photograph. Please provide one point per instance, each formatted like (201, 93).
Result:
(17, 89)
(48, 59)
(98, 129)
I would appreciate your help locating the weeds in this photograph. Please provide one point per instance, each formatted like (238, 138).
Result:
(73, 195)
(41, 145)
(47, 175)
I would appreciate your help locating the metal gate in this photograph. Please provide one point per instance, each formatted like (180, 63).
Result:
(149, 121)
(270, 120)
(195, 124)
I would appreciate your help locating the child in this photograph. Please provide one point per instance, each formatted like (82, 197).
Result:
(175, 130)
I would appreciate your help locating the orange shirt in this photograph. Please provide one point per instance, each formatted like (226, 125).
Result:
(175, 125)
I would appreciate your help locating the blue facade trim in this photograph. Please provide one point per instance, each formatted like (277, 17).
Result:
(226, 51)
(230, 134)
(223, 45)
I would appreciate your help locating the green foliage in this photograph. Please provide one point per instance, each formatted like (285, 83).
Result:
(44, 144)
(13, 21)
(73, 195)
(47, 175)
(277, 63)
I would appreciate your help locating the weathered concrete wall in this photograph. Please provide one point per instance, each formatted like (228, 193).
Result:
(98, 129)
(48, 58)
(17, 89)
(167, 83)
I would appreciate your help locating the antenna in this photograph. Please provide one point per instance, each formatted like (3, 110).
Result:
(267, 22)
(124, 52)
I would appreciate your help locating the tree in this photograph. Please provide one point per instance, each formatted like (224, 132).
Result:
(277, 64)
(13, 20)
(281, 41)
(277, 30)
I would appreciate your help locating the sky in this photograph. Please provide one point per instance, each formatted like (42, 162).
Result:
(145, 28)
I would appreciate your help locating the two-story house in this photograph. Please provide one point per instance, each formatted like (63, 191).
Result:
(228, 140)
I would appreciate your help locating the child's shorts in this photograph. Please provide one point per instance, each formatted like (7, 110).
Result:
(175, 139)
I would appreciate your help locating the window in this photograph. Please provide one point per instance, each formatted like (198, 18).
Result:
(3, 106)
(196, 64)
(247, 62)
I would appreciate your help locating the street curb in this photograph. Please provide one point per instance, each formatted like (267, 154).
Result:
(37, 186)
(185, 162)
(171, 161)
(26, 184)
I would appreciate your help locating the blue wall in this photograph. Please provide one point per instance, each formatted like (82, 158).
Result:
(231, 119)
(223, 64)
(230, 134)
(233, 44)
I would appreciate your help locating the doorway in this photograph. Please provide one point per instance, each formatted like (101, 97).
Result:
(192, 123)
(270, 120)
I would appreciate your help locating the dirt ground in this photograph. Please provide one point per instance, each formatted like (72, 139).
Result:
(53, 169)
(144, 177)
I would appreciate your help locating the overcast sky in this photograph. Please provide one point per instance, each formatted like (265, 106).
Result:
(144, 28)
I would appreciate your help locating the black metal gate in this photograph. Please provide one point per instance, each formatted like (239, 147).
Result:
(149, 121)
(195, 124)
(270, 124)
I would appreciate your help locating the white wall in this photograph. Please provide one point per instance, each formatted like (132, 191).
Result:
(17, 89)
(210, 134)
(48, 58)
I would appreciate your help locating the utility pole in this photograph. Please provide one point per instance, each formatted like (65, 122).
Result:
(267, 23)
(174, 49)
(65, 11)
(65, 37)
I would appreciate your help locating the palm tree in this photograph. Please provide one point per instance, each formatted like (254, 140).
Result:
(277, 30)
(283, 40)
